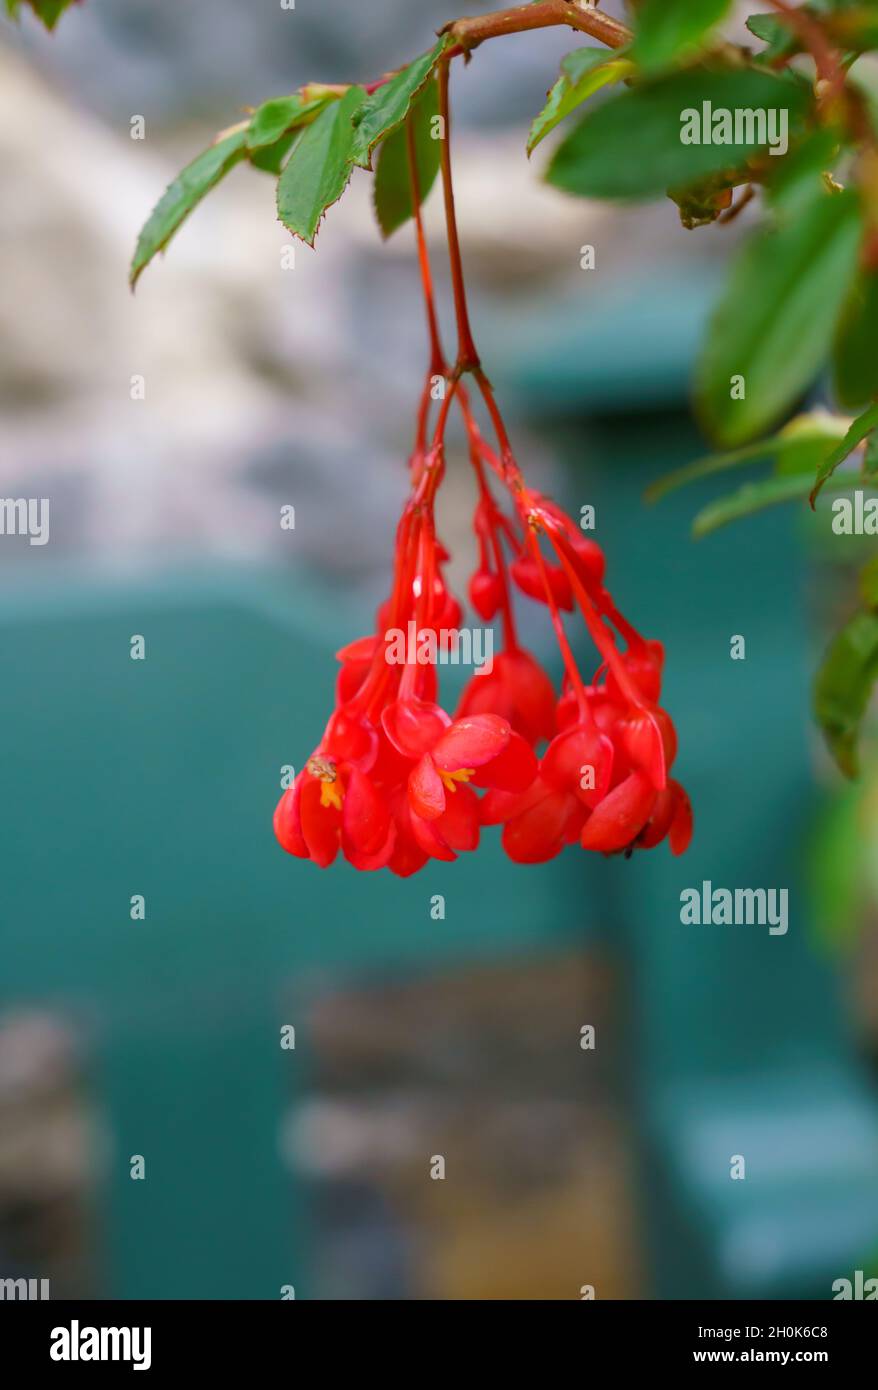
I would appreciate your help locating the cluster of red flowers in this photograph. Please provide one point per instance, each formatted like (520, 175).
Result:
(393, 782)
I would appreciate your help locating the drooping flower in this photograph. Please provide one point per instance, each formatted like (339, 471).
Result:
(396, 781)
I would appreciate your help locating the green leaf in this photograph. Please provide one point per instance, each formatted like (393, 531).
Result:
(799, 447)
(275, 125)
(869, 583)
(276, 118)
(749, 499)
(863, 425)
(393, 189)
(319, 168)
(669, 31)
(387, 107)
(795, 182)
(642, 141)
(850, 26)
(271, 158)
(855, 357)
(49, 11)
(837, 857)
(843, 687)
(583, 72)
(780, 37)
(185, 193)
(775, 322)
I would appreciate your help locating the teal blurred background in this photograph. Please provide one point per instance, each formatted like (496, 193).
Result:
(271, 1169)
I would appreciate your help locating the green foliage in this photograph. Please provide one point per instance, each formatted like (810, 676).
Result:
(271, 158)
(319, 168)
(393, 187)
(311, 140)
(49, 11)
(185, 193)
(776, 320)
(837, 858)
(631, 148)
(794, 182)
(387, 108)
(771, 29)
(583, 72)
(749, 499)
(669, 31)
(800, 447)
(855, 355)
(869, 583)
(861, 427)
(853, 27)
(274, 119)
(843, 686)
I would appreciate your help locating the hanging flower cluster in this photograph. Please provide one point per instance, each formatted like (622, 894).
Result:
(397, 780)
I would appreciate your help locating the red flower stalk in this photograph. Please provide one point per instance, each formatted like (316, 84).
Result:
(394, 781)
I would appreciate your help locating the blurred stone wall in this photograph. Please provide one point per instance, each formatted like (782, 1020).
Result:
(263, 386)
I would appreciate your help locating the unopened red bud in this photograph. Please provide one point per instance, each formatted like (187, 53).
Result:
(485, 592)
(591, 560)
(528, 575)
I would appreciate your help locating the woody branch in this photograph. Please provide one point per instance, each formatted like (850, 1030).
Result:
(470, 32)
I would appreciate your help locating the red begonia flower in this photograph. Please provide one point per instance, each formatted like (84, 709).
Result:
(517, 689)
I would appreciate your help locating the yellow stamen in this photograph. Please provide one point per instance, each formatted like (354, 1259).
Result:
(330, 795)
(331, 792)
(463, 774)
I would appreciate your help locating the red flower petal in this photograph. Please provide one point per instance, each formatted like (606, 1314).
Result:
(591, 560)
(407, 857)
(413, 726)
(643, 742)
(472, 742)
(659, 823)
(621, 815)
(484, 695)
(429, 839)
(459, 823)
(321, 825)
(365, 818)
(567, 758)
(496, 807)
(529, 577)
(683, 823)
(533, 695)
(287, 824)
(350, 740)
(362, 649)
(368, 863)
(644, 664)
(426, 789)
(513, 770)
(485, 592)
(538, 833)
